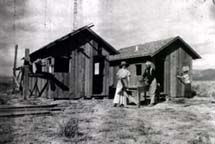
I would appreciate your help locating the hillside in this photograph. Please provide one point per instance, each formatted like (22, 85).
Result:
(208, 74)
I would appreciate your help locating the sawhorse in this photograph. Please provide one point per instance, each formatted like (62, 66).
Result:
(138, 90)
(36, 88)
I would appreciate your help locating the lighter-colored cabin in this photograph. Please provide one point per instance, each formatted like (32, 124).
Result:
(169, 56)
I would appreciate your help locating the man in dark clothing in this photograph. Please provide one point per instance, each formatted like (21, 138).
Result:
(150, 81)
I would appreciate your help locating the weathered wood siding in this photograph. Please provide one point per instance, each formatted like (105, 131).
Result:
(88, 71)
(174, 58)
(173, 67)
(106, 73)
(134, 79)
(79, 79)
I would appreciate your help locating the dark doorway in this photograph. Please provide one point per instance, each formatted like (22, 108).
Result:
(98, 74)
(159, 68)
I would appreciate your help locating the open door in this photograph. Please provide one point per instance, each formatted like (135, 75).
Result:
(159, 65)
(98, 74)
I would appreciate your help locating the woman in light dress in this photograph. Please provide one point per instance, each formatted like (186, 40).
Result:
(123, 76)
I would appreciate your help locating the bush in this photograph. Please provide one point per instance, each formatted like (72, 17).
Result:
(204, 88)
(68, 129)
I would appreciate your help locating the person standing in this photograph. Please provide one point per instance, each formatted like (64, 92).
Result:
(150, 81)
(185, 78)
(123, 76)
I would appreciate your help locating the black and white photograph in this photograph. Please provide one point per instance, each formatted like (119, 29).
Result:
(107, 71)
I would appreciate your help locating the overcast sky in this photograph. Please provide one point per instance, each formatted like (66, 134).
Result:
(34, 23)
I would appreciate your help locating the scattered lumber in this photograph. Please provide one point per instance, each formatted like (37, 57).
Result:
(23, 110)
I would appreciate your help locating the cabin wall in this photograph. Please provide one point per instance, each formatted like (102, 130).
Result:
(173, 67)
(88, 71)
(186, 60)
(41, 82)
(134, 79)
(81, 71)
(80, 78)
(106, 72)
(173, 60)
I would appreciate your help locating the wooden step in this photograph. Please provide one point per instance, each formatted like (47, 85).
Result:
(26, 106)
(16, 114)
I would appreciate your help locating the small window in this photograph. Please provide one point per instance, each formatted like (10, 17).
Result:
(96, 69)
(138, 69)
(61, 64)
(50, 65)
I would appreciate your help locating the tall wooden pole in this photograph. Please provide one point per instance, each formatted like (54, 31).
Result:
(14, 68)
(26, 74)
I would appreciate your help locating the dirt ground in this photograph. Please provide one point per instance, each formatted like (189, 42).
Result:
(189, 121)
(182, 121)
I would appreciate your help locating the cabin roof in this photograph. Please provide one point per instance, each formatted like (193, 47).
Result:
(84, 33)
(150, 49)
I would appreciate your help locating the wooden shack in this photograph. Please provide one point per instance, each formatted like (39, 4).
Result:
(79, 60)
(169, 55)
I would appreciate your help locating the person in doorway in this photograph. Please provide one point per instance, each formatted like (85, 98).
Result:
(185, 78)
(123, 76)
(150, 81)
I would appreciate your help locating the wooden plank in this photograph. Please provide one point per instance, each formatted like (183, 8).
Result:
(43, 89)
(138, 97)
(105, 73)
(47, 70)
(179, 69)
(132, 69)
(15, 82)
(72, 75)
(57, 89)
(76, 73)
(91, 71)
(111, 75)
(26, 73)
(167, 76)
(107, 76)
(16, 114)
(27, 106)
(116, 68)
(173, 73)
(88, 83)
(81, 74)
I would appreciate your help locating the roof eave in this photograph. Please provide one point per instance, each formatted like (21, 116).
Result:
(112, 49)
(87, 27)
(195, 55)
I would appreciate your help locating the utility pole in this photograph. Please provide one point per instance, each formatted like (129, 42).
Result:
(75, 15)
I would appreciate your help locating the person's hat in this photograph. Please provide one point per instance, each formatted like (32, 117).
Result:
(148, 62)
(123, 63)
(185, 68)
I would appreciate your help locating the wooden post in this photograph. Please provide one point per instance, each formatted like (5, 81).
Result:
(26, 74)
(14, 68)
(138, 96)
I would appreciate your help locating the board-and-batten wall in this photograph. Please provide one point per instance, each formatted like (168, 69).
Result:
(173, 66)
(134, 79)
(174, 60)
(79, 79)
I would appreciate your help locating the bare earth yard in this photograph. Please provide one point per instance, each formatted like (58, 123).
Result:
(184, 121)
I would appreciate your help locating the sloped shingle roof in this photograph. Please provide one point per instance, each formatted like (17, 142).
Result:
(84, 31)
(148, 49)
